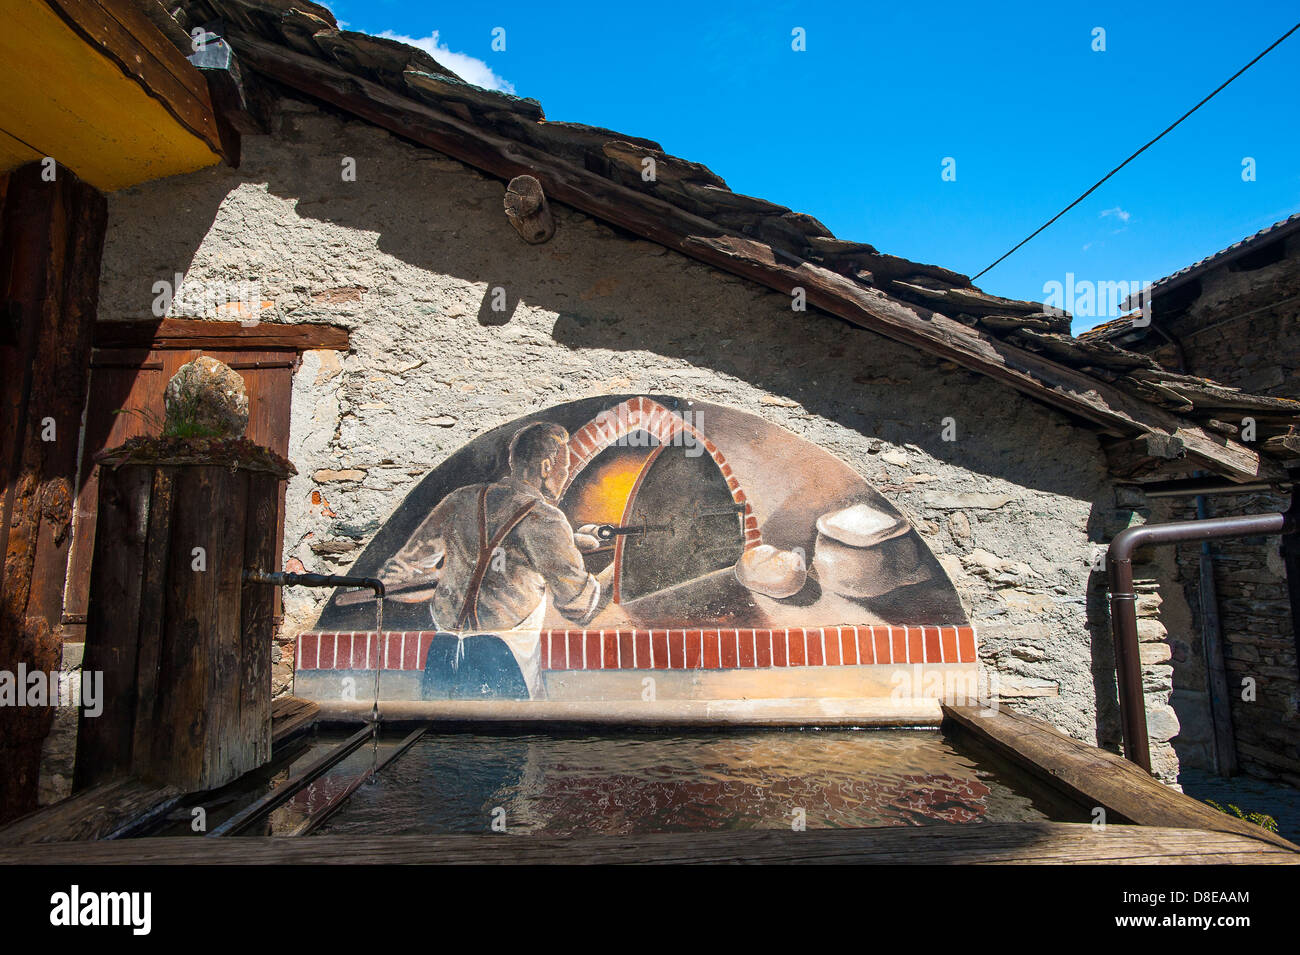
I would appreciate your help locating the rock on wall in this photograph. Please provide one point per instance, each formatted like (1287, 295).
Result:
(413, 256)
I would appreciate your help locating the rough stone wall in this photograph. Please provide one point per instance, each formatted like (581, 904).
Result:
(1171, 653)
(408, 257)
(1258, 647)
(1243, 329)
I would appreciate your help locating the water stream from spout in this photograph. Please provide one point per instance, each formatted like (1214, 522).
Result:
(374, 709)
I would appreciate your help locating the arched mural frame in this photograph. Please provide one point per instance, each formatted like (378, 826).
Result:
(815, 643)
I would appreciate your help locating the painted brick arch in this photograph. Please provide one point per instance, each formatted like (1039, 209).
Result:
(665, 426)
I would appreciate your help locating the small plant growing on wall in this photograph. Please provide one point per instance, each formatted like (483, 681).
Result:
(206, 414)
(1263, 820)
(184, 423)
(204, 399)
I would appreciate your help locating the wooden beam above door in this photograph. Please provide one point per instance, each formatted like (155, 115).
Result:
(181, 333)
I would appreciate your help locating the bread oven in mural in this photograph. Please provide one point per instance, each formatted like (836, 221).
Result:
(565, 555)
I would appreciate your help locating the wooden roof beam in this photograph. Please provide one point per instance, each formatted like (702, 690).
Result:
(1146, 457)
(124, 33)
(662, 222)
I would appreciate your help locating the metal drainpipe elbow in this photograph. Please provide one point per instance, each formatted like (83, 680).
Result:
(1123, 605)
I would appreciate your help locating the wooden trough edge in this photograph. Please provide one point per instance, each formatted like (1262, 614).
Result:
(868, 711)
(120, 807)
(110, 810)
(1095, 777)
(991, 844)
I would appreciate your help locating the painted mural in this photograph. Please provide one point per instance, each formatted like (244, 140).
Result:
(563, 554)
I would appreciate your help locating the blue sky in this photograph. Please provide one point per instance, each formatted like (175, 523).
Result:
(854, 129)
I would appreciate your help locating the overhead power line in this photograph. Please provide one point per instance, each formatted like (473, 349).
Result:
(1141, 151)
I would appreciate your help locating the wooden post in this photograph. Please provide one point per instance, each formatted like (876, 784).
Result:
(527, 210)
(51, 238)
(1225, 743)
(183, 641)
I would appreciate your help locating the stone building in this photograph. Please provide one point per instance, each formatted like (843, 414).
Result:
(1235, 317)
(400, 302)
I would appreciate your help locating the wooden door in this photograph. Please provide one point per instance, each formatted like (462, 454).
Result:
(126, 400)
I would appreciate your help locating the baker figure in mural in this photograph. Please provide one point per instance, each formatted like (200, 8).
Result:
(485, 560)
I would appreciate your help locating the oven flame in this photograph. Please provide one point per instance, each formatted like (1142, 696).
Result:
(600, 494)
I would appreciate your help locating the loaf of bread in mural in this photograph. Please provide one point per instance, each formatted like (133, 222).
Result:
(769, 570)
(624, 533)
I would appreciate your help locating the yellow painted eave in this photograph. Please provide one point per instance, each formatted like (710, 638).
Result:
(61, 97)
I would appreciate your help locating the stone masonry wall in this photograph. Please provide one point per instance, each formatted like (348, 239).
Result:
(1259, 650)
(1244, 330)
(407, 258)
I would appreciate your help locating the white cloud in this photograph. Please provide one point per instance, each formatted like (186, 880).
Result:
(1117, 212)
(468, 68)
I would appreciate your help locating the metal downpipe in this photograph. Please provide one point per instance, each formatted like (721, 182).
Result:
(1123, 605)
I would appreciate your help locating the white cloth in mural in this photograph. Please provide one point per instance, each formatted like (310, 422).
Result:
(525, 642)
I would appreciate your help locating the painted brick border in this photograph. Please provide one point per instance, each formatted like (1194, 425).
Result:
(643, 414)
(676, 649)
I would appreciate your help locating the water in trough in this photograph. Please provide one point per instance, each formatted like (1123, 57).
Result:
(617, 783)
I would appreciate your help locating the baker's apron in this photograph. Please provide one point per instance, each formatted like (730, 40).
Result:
(525, 643)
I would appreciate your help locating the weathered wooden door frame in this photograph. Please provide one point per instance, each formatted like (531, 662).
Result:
(52, 231)
(163, 346)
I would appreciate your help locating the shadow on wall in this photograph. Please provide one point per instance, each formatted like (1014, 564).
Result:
(1105, 683)
(824, 364)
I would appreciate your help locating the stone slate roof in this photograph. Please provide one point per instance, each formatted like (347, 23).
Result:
(1114, 330)
(311, 30)
(1278, 230)
(1110, 331)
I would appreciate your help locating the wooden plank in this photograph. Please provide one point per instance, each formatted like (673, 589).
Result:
(270, 393)
(153, 614)
(51, 239)
(197, 743)
(107, 811)
(1095, 777)
(138, 387)
(290, 716)
(992, 844)
(256, 606)
(120, 31)
(104, 742)
(668, 225)
(1283, 445)
(174, 333)
(1225, 741)
(228, 751)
